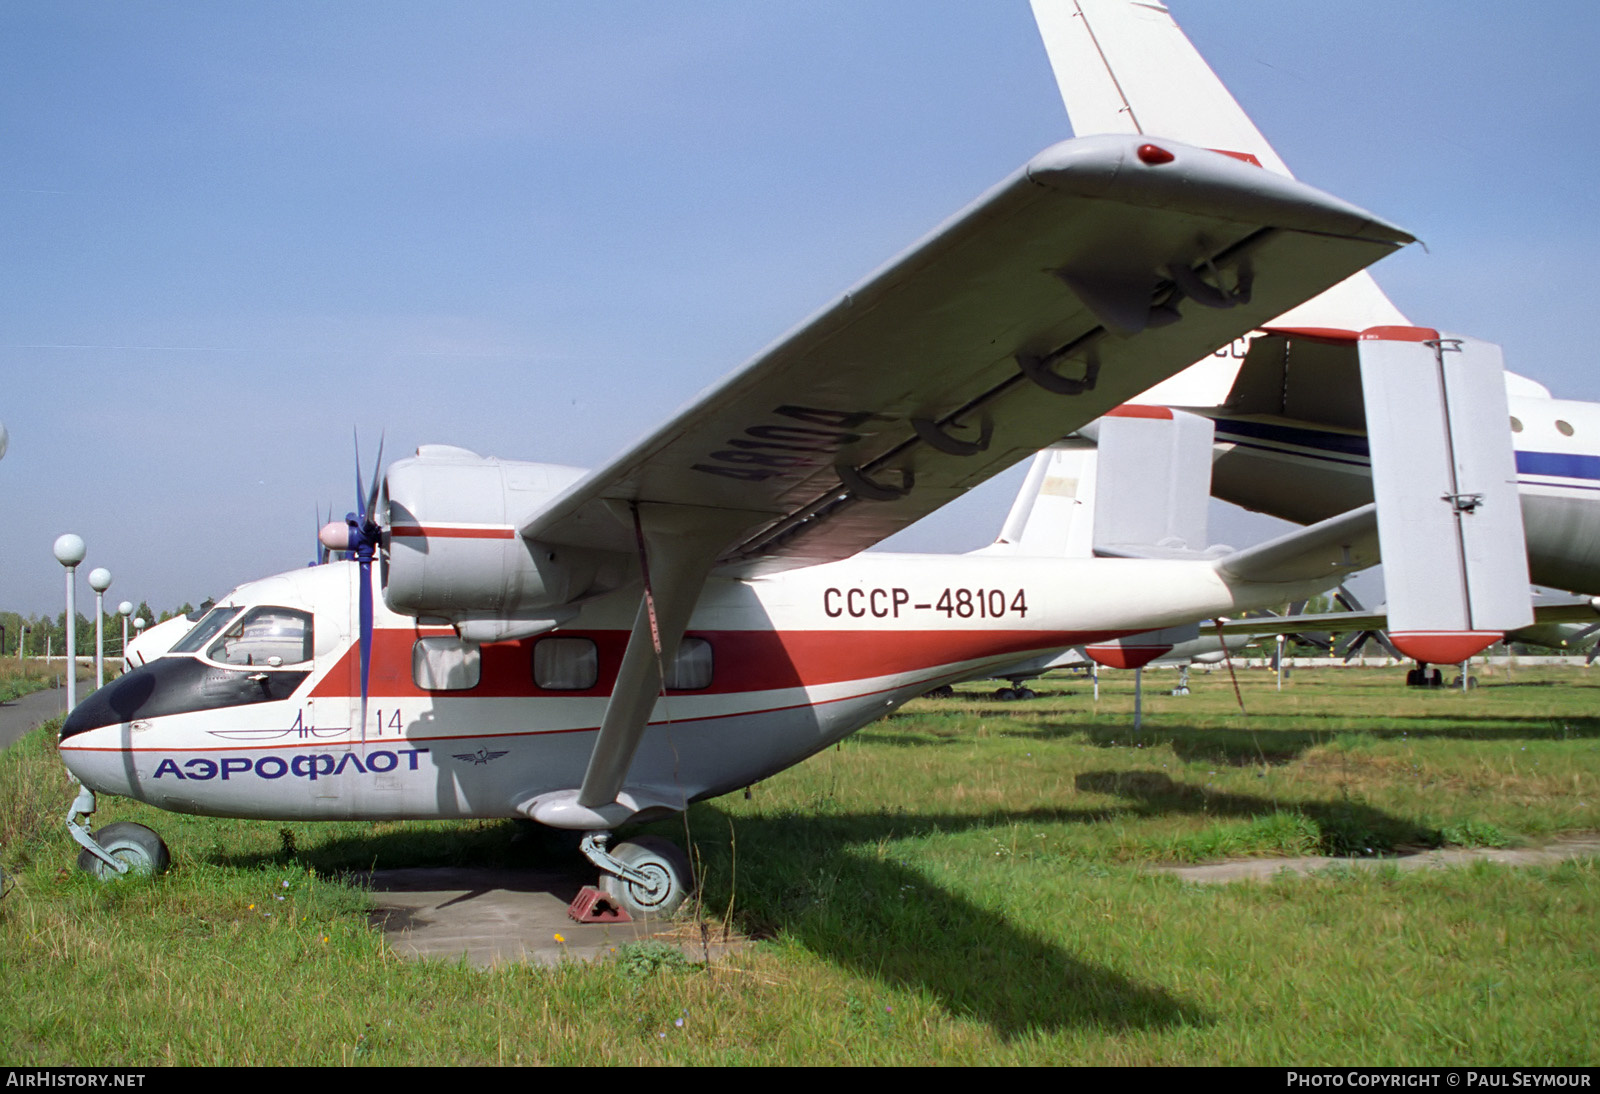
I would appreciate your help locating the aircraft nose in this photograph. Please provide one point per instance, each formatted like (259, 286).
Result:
(116, 702)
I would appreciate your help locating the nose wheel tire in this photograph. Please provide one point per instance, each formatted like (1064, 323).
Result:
(134, 845)
(667, 867)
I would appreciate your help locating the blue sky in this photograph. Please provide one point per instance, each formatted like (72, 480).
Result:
(233, 233)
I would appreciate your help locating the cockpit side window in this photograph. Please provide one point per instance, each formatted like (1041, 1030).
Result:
(203, 631)
(271, 637)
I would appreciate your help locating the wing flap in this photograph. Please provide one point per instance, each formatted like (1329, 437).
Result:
(973, 349)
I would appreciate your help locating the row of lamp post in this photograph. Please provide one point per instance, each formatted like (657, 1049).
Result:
(69, 551)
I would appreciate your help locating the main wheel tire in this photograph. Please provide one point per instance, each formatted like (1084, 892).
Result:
(664, 863)
(134, 845)
(1004, 695)
(1026, 693)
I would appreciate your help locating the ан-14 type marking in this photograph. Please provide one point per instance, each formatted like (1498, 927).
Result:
(951, 603)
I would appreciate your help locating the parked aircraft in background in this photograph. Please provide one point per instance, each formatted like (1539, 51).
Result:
(587, 650)
(157, 639)
(1291, 425)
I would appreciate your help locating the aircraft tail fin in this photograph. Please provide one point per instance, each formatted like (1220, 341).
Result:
(1125, 66)
(1135, 483)
(1153, 491)
(1444, 477)
(1053, 514)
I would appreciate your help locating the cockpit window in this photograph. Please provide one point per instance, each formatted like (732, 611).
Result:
(203, 631)
(265, 636)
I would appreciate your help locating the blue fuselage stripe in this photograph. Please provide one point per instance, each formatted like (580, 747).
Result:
(1566, 465)
(1345, 449)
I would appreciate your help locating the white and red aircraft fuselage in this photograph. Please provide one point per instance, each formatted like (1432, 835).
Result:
(586, 649)
(257, 712)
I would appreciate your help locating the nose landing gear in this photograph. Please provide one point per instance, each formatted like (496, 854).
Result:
(117, 849)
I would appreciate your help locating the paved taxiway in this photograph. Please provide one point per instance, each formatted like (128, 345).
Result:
(20, 715)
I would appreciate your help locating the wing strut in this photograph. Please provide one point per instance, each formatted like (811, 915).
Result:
(678, 544)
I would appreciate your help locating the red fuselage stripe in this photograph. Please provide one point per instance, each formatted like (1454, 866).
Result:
(742, 661)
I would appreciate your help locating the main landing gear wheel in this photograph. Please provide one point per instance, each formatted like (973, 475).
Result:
(134, 845)
(667, 867)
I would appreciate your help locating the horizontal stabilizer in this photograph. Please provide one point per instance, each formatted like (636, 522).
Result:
(1330, 548)
(1553, 612)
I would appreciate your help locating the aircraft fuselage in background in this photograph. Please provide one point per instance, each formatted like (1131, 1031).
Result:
(1303, 472)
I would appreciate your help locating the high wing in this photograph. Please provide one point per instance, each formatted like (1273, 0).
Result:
(1098, 268)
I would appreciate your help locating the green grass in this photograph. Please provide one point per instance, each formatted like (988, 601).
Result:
(960, 883)
(19, 678)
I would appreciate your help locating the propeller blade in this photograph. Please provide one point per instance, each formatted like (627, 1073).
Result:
(1348, 599)
(361, 491)
(377, 482)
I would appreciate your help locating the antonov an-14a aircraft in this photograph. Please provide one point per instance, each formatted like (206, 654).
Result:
(586, 650)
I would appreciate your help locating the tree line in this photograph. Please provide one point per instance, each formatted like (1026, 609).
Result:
(41, 633)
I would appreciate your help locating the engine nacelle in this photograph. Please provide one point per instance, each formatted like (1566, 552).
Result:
(454, 551)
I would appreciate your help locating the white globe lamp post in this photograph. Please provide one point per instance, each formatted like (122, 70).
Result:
(99, 581)
(69, 551)
(125, 609)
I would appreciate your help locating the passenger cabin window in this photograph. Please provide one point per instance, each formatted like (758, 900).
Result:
(1564, 427)
(1516, 424)
(203, 631)
(265, 637)
(445, 664)
(691, 669)
(566, 664)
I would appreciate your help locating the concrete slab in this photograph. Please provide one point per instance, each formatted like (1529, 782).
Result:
(493, 917)
(1584, 845)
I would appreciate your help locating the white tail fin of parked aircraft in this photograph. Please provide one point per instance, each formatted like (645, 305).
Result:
(1291, 433)
(1124, 66)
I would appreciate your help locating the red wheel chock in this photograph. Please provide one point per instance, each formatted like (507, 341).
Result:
(593, 905)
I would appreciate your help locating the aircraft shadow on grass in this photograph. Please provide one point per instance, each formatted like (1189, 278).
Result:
(1348, 829)
(830, 882)
(824, 882)
(1244, 747)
